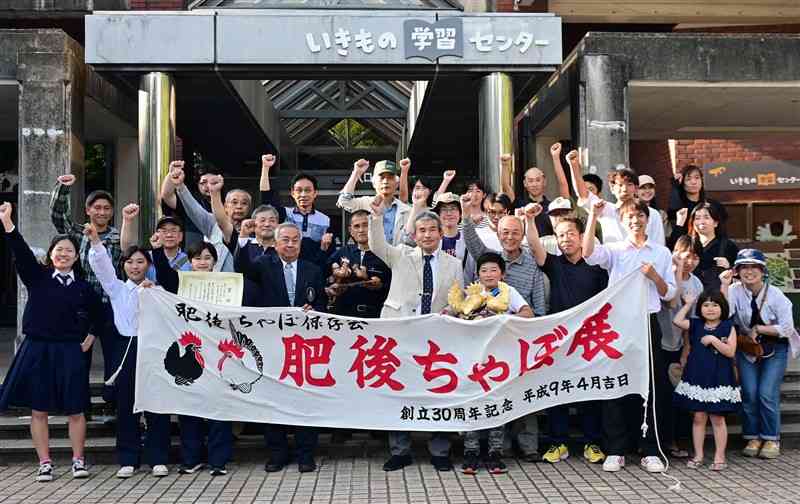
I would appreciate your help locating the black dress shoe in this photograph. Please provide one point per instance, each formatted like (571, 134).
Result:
(396, 462)
(274, 466)
(307, 467)
(442, 463)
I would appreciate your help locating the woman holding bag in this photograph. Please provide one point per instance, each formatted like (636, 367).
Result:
(763, 315)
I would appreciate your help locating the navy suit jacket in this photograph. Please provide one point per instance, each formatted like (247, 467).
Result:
(267, 272)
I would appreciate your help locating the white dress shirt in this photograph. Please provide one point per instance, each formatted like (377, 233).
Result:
(623, 257)
(71, 275)
(124, 296)
(611, 222)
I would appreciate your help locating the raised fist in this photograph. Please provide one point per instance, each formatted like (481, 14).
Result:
(215, 183)
(532, 210)
(67, 179)
(268, 161)
(5, 211)
(326, 241)
(130, 211)
(360, 167)
(573, 158)
(555, 149)
(247, 228)
(90, 232)
(449, 175)
(376, 205)
(598, 207)
(505, 158)
(405, 164)
(155, 240)
(176, 174)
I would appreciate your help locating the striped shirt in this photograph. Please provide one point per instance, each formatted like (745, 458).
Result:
(522, 273)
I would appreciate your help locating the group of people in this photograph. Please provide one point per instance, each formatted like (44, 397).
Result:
(401, 259)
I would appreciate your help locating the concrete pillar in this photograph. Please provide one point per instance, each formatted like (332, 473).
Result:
(156, 143)
(496, 125)
(51, 94)
(126, 177)
(601, 114)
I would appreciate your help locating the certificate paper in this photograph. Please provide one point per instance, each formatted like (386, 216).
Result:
(216, 287)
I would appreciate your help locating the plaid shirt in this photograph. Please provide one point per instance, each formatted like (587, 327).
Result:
(61, 215)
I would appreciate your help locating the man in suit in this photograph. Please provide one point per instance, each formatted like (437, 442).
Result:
(423, 276)
(286, 280)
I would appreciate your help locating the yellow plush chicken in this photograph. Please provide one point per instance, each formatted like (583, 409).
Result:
(477, 303)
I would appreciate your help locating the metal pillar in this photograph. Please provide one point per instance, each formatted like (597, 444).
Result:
(156, 143)
(602, 109)
(496, 123)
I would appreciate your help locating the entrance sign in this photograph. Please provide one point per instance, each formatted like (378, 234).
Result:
(752, 175)
(308, 37)
(428, 373)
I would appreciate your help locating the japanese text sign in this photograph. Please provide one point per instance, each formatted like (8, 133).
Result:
(752, 175)
(429, 373)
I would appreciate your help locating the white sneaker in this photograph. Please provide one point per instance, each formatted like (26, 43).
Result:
(125, 472)
(613, 463)
(652, 464)
(160, 470)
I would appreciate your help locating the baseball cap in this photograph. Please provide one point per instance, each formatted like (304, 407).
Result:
(646, 179)
(750, 256)
(384, 167)
(560, 203)
(445, 198)
(169, 219)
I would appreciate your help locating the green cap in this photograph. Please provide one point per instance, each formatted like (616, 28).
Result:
(384, 167)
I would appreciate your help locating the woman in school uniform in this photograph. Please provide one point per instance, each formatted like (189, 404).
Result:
(50, 372)
(203, 257)
(124, 297)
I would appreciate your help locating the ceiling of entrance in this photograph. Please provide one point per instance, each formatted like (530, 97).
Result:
(327, 4)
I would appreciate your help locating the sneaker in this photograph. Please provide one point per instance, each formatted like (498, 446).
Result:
(471, 463)
(614, 463)
(185, 469)
(218, 471)
(556, 453)
(770, 450)
(495, 465)
(45, 472)
(160, 470)
(752, 448)
(79, 469)
(652, 464)
(126, 472)
(593, 454)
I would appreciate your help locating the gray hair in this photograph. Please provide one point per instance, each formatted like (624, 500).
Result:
(265, 208)
(428, 215)
(287, 225)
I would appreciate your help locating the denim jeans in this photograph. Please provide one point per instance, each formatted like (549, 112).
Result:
(761, 394)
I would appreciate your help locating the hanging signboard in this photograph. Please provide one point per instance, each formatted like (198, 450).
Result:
(752, 175)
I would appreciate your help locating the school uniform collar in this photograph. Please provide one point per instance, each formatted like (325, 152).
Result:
(130, 284)
(647, 243)
(71, 274)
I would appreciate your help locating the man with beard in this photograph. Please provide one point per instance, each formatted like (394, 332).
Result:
(572, 281)
(385, 181)
(365, 300)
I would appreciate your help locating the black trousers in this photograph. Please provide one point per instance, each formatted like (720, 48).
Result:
(614, 420)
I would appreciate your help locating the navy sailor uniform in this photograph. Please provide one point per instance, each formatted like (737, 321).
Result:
(50, 372)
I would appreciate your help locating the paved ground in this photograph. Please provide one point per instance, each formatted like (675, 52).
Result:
(361, 481)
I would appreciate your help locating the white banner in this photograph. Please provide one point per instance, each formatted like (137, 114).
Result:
(429, 373)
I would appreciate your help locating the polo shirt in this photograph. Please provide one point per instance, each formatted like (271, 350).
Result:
(572, 284)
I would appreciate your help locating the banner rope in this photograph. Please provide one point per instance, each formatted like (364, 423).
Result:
(677, 485)
(113, 378)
